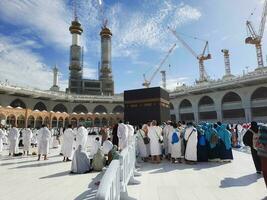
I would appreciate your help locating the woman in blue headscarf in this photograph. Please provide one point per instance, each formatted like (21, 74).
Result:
(225, 144)
(213, 144)
(202, 145)
(176, 149)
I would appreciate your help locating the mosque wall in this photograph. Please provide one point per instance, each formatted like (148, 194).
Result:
(233, 105)
(23, 111)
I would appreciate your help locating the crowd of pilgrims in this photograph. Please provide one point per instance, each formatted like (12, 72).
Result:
(177, 142)
(180, 142)
(84, 153)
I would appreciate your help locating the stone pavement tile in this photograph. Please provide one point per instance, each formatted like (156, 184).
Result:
(185, 194)
(167, 192)
(27, 179)
(215, 181)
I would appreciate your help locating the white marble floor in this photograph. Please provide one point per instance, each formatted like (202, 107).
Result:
(24, 178)
(204, 181)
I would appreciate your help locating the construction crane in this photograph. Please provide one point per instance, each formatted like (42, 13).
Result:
(201, 58)
(255, 38)
(147, 83)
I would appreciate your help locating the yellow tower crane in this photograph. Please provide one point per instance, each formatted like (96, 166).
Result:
(147, 83)
(254, 38)
(203, 77)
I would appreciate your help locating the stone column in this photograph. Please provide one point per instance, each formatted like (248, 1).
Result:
(247, 107)
(248, 114)
(195, 110)
(176, 112)
(218, 108)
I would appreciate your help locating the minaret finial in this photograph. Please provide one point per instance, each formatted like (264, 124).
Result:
(75, 10)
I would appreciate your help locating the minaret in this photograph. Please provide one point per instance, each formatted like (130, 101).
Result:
(228, 74)
(163, 74)
(76, 65)
(55, 86)
(105, 65)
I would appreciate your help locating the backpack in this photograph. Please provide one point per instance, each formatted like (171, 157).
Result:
(214, 138)
(202, 140)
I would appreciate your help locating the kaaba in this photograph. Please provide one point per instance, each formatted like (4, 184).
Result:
(143, 105)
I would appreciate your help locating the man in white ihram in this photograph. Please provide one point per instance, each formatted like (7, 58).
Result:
(155, 134)
(81, 137)
(44, 136)
(26, 137)
(67, 145)
(130, 131)
(191, 144)
(13, 138)
(122, 135)
(167, 137)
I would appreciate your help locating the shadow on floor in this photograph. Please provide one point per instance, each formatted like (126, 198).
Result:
(39, 164)
(60, 174)
(92, 189)
(13, 163)
(165, 166)
(241, 181)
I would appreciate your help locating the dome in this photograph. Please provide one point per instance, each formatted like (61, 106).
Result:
(105, 31)
(76, 27)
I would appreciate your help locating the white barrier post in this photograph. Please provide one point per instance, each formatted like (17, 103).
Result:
(109, 188)
(127, 162)
(118, 175)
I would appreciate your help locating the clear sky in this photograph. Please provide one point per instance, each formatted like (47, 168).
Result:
(34, 36)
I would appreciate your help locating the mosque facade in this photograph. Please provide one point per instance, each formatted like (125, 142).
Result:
(85, 100)
(232, 100)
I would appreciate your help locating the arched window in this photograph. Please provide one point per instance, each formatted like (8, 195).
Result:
(206, 100)
(66, 122)
(18, 103)
(31, 121)
(11, 119)
(40, 106)
(80, 109)
(185, 104)
(46, 121)
(54, 122)
(235, 111)
(21, 121)
(259, 104)
(39, 121)
(259, 94)
(60, 108)
(60, 122)
(118, 109)
(100, 109)
(231, 97)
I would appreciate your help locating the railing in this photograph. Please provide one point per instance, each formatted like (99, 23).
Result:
(109, 188)
(127, 161)
(114, 182)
